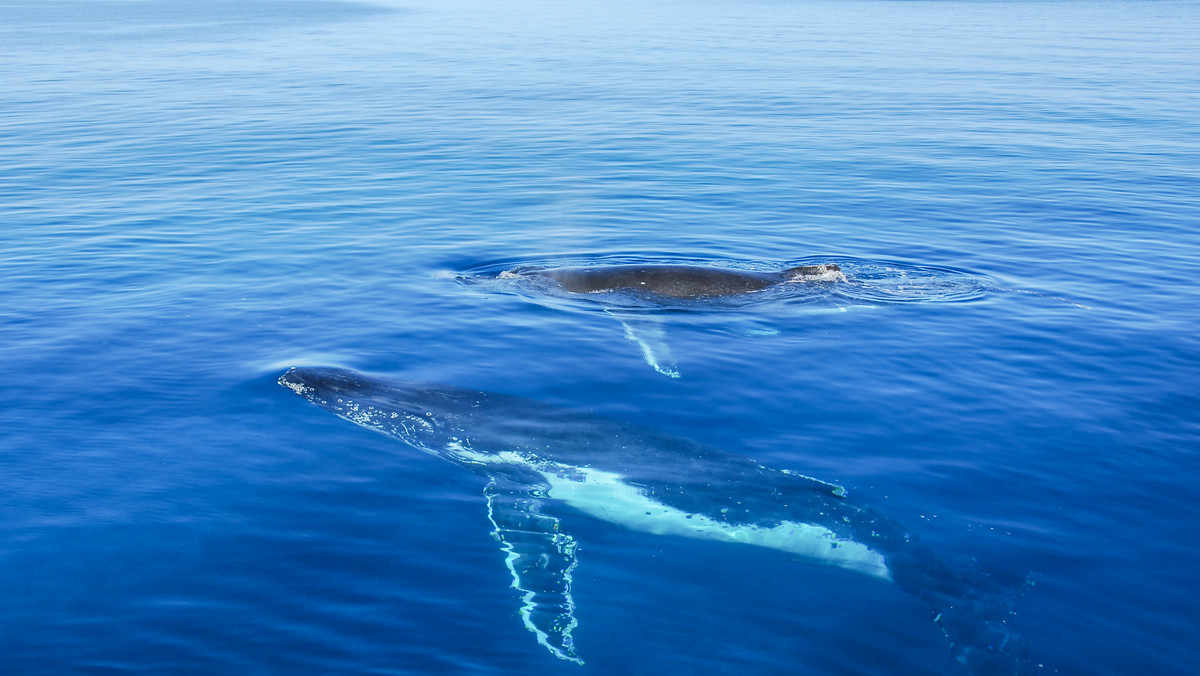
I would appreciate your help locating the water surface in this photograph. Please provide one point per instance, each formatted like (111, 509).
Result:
(195, 196)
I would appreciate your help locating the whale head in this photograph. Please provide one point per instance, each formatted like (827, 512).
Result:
(421, 414)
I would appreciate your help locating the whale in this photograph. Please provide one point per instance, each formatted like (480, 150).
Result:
(675, 281)
(658, 287)
(546, 467)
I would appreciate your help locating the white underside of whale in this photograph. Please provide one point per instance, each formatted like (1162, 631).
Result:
(606, 496)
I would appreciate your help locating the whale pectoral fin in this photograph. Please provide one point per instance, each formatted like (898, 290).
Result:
(758, 329)
(648, 332)
(541, 559)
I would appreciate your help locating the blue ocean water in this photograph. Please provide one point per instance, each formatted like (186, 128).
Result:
(195, 196)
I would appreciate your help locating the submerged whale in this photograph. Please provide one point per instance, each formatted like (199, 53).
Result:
(537, 458)
(676, 281)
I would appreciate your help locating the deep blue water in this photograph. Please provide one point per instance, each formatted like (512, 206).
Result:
(196, 195)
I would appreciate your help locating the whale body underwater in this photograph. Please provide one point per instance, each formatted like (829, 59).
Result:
(538, 458)
(675, 281)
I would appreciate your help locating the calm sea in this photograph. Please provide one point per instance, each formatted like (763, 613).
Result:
(196, 195)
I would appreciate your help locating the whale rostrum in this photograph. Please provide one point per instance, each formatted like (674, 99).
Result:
(545, 465)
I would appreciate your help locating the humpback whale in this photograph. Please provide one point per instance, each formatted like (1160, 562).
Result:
(664, 286)
(676, 281)
(538, 458)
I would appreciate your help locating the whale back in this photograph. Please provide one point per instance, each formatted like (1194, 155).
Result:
(674, 281)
